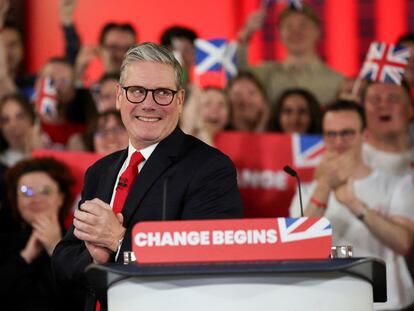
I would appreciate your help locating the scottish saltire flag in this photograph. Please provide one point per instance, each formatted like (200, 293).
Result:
(46, 101)
(216, 55)
(385, 63)
(307, 150)
(294, 229)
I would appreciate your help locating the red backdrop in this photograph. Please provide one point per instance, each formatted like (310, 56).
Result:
(349, 26)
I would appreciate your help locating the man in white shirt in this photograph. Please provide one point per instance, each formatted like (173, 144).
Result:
(369, 209)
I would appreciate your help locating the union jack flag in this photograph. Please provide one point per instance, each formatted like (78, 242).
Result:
(385, 63)
(294, 229)
(46, 102)
(216, 55)
(307, 150)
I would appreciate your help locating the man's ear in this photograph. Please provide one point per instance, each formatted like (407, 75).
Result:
(180, 99)
(119, 91)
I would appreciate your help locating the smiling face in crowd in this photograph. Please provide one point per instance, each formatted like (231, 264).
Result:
(15, 124)
(247, 101)
(214, 110)
(295, 116)
(38, 194)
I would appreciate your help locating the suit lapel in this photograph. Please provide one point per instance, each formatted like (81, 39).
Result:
(108, 179)
(164, 155)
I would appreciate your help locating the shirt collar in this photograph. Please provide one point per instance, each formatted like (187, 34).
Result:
(146, 152)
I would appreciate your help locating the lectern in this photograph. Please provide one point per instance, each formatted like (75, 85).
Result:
(332, 284)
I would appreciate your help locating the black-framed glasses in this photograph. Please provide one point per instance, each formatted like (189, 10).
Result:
(345, 134)
(137, 94)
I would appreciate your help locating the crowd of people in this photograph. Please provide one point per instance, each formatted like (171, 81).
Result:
(363, 185)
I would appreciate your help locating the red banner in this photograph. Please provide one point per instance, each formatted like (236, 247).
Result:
(265, 188)
(232, 240)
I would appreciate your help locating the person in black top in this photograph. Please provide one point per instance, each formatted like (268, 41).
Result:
(39, 198)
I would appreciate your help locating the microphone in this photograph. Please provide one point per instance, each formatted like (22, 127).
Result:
(122, 183)
(293, 173)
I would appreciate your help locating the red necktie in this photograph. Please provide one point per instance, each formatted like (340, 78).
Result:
(125, 181)
(122, 189)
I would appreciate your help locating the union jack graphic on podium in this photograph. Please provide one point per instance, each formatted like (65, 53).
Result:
(385, 63)
(46, 102)
(307, 150)
(216, 55)
(294, 229)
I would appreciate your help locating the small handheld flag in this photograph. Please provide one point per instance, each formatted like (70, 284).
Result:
(216, 55)
(385, 63)
(46, 101)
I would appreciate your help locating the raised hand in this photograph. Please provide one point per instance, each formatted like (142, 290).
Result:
(84, 58)
(100, 254)
(4, 8)
(66, 9)
(47, 230)
(335, 169)
(32, 250)
(96, 223)
(106, 59)
(254, 22)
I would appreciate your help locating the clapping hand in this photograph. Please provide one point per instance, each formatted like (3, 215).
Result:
(97, 225)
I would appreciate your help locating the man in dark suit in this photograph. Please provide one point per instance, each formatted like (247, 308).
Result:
(178, 176)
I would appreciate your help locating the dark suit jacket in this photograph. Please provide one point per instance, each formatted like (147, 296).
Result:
(200, 181)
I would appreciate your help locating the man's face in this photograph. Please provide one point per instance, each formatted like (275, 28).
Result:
(185, 50)
(107, 95)
(388, 109)
(14, 48)
(116, 43)
(299, 34)
(342, 131)
(62, 76)
(147, 122)
(247, 101)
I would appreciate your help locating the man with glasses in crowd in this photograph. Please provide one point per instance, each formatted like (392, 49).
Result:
(369, 209)
(161, 167)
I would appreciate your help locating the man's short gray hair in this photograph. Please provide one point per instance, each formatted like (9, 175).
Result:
(151, 52)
